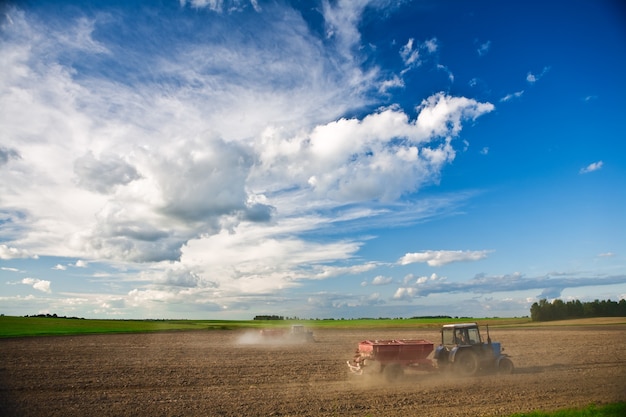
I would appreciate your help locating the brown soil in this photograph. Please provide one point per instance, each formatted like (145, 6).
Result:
(226, 373)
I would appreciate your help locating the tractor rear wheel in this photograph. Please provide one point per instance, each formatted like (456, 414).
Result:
(393, 371)
(466, 363)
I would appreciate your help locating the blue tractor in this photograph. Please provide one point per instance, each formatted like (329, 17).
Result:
(463, 351)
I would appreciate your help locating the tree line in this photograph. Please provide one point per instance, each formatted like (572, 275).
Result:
(559, 310)
(269, 317)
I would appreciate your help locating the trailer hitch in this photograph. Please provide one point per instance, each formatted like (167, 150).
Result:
(355, 369)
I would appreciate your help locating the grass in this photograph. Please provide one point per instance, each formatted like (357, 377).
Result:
(51, 326)
(11, 326)
(609, 410)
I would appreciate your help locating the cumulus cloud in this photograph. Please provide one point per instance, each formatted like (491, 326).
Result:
(404, 293)
(412, 286)
(442, 257)
(382, 280)
(7, 252)
(380, 157)
(595, 166)
(38, 284)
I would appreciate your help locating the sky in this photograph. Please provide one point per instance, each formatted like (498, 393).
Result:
(222, 159)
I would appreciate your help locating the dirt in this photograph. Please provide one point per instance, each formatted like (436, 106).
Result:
(225, 373)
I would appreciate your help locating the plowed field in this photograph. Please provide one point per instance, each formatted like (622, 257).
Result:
(224, 373)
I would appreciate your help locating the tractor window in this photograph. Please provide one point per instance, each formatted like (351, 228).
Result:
(447, 337)
(474, 336)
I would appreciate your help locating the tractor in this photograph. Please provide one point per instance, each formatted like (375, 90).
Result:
(297, 333)
(463, 351)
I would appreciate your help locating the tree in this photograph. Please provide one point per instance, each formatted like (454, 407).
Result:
(558, 310)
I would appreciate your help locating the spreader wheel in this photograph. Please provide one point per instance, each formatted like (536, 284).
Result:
(505, 366)
(393, 371)
(371, 367)
(466, 363)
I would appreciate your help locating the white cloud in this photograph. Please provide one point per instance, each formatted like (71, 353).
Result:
(256, 260)
(404, 293)
(382, 280)
(59, 267)
(442, 257)
(38, 284)
(206, 164)
(424, 279)
(150, 137)
(413, 55)
(7, 252)
(410, 56)
(351, 160)
(393, 82)
(447, 71)
(81, 264)
(483, 48)
(595, 166)
(512, 96)
(533, 78)
(142, 212)
(341, 21)
(431, 45)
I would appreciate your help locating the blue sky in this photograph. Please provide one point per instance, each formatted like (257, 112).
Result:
(223, 159)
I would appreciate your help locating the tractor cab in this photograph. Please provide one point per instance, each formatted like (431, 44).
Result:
(462, 334)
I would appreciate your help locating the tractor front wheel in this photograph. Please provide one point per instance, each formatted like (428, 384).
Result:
(505, 366)
(466, 363)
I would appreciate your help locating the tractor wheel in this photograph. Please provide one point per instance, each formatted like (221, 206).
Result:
(466, 363)
(393, 371)
(505, 366)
